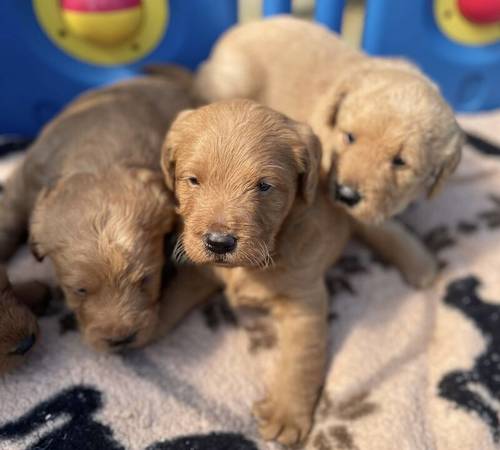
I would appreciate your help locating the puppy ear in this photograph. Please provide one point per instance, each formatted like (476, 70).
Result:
(168, 162)
(335, 107)
(38, 233)
(451, 158)
(168, 153)
(51, 207)
(331, 104)
(308, 154)
(162, 198)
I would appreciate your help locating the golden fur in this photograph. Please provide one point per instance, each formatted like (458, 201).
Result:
(215, 159)
(281, 256)
(386, 132)
(91, 188)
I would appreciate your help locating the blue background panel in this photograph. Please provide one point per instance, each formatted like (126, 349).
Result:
(469, 76)
(37, 78)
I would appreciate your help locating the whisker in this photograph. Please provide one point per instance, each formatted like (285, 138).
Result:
(268, 259)
(179, 254)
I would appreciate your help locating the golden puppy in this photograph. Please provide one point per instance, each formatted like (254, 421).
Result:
(386, 132)
(246, 181)
(18, 325)
(91, 188)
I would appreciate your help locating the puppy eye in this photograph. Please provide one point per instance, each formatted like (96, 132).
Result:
(81, 292)
(262, 186)
(193, 181)
(398, 161)
(349, 138)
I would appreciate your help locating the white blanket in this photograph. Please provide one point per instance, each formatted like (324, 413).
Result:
(409, 370)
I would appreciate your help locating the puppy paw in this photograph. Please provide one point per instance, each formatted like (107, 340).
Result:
(422, 273)
(280, 422)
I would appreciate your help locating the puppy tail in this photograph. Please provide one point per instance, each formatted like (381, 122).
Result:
(174, 72)
(226, 76)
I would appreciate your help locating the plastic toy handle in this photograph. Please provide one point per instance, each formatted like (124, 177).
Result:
(480, 11)
(330, 13)
(327, 12)
(272, 7)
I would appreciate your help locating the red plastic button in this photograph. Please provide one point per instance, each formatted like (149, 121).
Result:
(98, 5)
(480, 11)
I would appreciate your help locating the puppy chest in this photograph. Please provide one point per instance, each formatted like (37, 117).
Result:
(244, 289)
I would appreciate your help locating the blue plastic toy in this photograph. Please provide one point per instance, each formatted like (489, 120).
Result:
(327, 12)
(462, 54)
(50, 50)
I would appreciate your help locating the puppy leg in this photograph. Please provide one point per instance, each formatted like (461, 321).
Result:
(285, 415)
(399, 247)
(13, 215)
(189, 288)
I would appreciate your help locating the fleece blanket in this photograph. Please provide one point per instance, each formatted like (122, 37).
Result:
(408, 370)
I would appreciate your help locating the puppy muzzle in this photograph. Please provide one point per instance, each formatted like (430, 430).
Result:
(347, 195)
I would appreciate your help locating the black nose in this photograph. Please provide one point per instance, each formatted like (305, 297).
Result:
(122, 341)
(347, 195)
(219, 243)
(24, 346)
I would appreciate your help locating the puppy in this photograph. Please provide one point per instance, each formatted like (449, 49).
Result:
(92, 191)
(386, 132)
(18, 325)
(246, 182)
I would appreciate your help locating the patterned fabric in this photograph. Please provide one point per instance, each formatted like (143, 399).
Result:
(409, 370)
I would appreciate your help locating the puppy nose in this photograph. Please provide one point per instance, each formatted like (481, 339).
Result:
(219, 243)
(24, 346)
(121, 342)
(347, 195)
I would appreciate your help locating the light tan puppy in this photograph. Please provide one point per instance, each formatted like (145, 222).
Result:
(387, 134)
(246, 181)
(92, 188)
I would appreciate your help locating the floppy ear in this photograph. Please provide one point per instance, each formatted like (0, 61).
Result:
(336, 103)
(39, 230)
(451, 157)
(168, 162)
(331, 104)
(162, 199)
(168, 153)
(308, 154)
(51, 206)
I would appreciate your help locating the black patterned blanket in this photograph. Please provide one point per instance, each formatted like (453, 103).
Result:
(409, 370)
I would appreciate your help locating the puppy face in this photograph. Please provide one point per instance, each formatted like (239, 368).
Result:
(388, 136)
(104, 236)
(18, 327)
(237, 168)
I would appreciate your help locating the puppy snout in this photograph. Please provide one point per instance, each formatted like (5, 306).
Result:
(347, 195)
(122, 342)
(24, 346)
(219, 243)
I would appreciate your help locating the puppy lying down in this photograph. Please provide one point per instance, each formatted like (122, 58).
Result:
(387, 134)
(18, 325)
(246, 180)
(92, 193)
